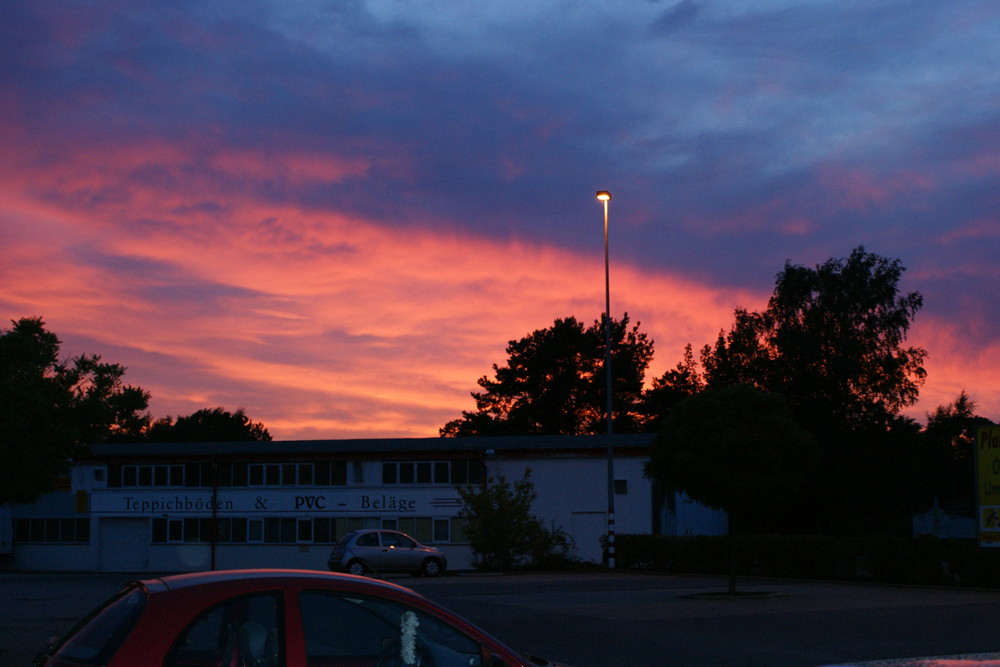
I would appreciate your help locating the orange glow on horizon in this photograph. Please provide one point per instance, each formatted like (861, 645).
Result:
(321, 324)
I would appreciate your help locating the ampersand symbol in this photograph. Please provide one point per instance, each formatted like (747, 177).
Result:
(261, 503)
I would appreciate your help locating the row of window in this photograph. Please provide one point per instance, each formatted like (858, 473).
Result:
(53, 531)
(239, 530)
(232, 474)
(292, 530)
(319, 473)
(468, 471)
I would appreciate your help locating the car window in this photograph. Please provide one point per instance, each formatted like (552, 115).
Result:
(397, 540)
(343, 628)
(368, 540)
(243, 630)
(95, 639)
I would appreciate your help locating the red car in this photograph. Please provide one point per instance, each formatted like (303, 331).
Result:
(275, 618)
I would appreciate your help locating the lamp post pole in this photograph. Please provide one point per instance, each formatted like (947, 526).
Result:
(605, 196)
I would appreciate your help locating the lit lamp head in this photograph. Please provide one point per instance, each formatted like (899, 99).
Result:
(604, 195)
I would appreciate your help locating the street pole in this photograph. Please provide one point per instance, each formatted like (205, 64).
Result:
(605, 196)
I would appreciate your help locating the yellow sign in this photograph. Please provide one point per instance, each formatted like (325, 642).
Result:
(987, 446)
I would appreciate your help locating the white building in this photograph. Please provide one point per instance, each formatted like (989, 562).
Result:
(194, 506)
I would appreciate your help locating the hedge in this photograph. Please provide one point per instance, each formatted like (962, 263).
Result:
(921, 560)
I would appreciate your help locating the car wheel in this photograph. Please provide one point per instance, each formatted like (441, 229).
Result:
(356, 567)
(432, 567)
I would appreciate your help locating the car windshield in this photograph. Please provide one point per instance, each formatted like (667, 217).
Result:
(343, 628)
(95, 639)
(346, 538)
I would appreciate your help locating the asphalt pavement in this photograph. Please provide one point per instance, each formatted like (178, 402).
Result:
(604, 619)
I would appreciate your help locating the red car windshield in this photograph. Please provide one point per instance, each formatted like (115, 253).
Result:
(95, 639)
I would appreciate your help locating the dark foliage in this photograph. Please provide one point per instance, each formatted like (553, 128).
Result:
(208, 425)
(503, 532)
(50, 408)
(554, 383)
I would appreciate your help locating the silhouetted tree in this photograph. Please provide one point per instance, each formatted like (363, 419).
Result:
(831, 340)
(670, 389)
(944, 467)
(208, 425)
(554, 383)
(50, 408)
(734, 448)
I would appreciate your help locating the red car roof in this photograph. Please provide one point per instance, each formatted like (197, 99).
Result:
(276, 577)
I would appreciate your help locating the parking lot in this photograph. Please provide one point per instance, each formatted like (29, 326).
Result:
(601, 619)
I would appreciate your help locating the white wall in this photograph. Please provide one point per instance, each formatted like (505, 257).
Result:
(573, 494)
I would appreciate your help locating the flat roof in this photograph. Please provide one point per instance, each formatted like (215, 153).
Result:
(540, 444)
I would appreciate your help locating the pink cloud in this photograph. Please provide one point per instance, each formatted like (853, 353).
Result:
(954, 364)
(352, 327)
(771, 213)
(979, 228)
(319, 323)
(858, 190)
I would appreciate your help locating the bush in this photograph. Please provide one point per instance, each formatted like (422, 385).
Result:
(502, 531)
(923, 560)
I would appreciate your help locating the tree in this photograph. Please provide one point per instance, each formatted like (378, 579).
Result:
(831, 340)
(501, 529)
(50, 408)
(670, 389)
(944, 469)
(554, 383)
(737, 449)
(208, 425)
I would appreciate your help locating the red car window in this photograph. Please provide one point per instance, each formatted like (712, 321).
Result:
(98, 636)
(240, 631)
(364, 631)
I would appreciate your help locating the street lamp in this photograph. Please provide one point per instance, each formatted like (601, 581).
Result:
(605, 196)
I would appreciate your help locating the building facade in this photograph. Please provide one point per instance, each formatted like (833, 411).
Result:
(194, 506)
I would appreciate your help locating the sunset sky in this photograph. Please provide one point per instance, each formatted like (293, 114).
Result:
(335, 214)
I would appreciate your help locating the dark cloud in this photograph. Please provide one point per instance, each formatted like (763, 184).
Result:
(676, 17)
(734, 136)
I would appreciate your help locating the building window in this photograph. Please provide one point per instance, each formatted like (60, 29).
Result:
(390, 473)
(74, 530)
(255, 530)
(305, 531)
(442, 530)
(621, 487)
(229, 474)
(272, 474)
(442, 472)
(167, 531)
(331, 473)
(456, 472)
(280, 474)
(270, 530)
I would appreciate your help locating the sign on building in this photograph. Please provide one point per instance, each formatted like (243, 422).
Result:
(988, 479)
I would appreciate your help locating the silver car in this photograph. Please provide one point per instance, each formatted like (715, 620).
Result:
(363, 551)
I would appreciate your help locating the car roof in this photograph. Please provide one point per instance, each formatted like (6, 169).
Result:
(362, 531)
(273, 577)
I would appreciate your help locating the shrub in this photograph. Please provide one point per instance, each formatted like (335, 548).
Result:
(502, 531)
(923, 560)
